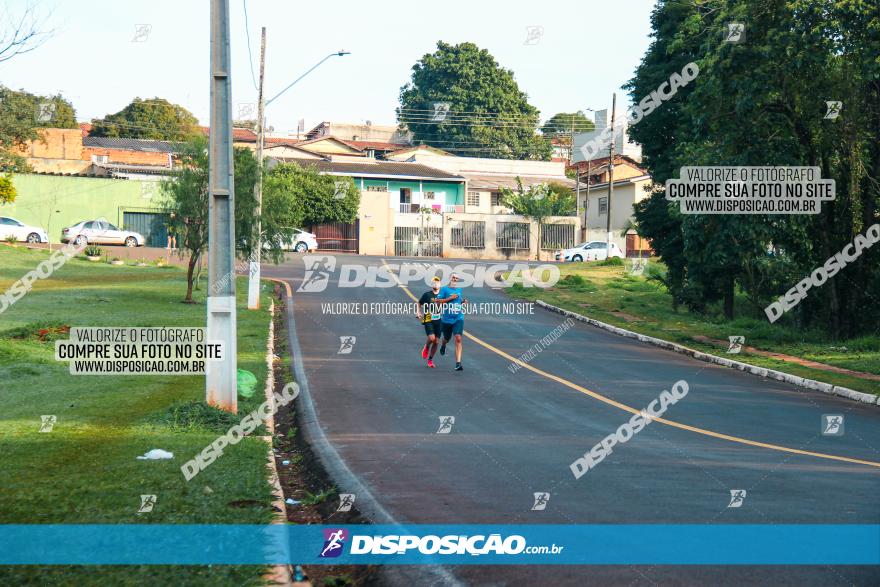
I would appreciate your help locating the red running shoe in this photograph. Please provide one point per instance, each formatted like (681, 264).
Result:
(431, 363)
(425, 352)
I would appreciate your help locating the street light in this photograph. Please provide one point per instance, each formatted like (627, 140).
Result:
(254, 269)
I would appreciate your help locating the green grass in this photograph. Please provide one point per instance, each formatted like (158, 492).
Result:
(85, 470)
(609, 294)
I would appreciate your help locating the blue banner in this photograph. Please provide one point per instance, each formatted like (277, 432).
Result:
(637, 544)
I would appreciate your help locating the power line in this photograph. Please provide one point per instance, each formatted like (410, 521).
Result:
(247, 30)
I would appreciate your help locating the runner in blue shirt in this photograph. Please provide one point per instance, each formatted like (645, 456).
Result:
(452, 317)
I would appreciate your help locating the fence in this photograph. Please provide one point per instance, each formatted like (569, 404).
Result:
(471, 234)
(557, 236)
(336, 236)
(512, 235)
(413, 241)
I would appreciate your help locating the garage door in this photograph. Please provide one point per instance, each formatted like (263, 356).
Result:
(149, 224)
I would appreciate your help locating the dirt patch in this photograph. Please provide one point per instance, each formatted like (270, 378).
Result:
(303, 478)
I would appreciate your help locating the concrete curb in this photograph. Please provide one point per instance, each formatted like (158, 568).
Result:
(279, 574)
(700, 356)
(334, 465)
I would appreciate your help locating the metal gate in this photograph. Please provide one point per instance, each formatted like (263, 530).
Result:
(418, 241)
(153, 225)
(336, 236)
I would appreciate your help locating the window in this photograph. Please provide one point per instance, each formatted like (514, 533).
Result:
(429, 195)
(595, 245)
(469, 235)
(557, 236)
(603, 206)
(496, 199)
(405, 195)
(100, 158)
(473, 198)
(512, 235)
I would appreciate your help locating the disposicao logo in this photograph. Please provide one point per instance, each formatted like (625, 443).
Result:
(334, 540)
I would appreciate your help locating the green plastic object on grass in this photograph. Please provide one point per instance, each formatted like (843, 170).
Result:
(247, 383)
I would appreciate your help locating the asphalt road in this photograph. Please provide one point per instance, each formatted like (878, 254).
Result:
(517, 433)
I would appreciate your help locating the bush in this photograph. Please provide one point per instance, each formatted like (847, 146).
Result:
(93, 251)
(611, 262)
(11, 239)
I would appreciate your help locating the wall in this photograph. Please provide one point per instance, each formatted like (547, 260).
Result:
(56, 143)
(129, 157)
(68, 200)
(490, 251)
(454, 192)
(376, 224)
(624, 197)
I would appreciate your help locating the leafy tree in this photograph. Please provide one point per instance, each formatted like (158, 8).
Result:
(487, 112)
(156, 119)
(310, 197)
(762, 102)
(562, 124)
(539, 201)
(22, 114)
(7, 190)
(186, 204)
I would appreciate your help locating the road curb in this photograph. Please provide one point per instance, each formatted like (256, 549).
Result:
(280, 574)
(811, 384)
(367, 504)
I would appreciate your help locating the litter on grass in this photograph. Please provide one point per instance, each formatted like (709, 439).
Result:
(156, 454)
(291, 501)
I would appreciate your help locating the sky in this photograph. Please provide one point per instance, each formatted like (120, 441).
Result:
(101, 56)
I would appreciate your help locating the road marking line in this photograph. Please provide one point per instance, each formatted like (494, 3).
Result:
(632, 410)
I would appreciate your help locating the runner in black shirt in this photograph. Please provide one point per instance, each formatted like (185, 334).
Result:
(431, 321)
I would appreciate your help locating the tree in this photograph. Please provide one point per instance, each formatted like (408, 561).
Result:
(186, 204)
(539, 201)
(156, 119)
(7, 190)
(564, 123)
(310, 198)
(21, 116)
(22, 34)
(762, 102)
(461, 100)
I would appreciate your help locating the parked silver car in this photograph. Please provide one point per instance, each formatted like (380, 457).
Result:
(101, 233)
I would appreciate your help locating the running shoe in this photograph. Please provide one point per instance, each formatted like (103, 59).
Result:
(430, 363)
(425, 352)
(458, 367)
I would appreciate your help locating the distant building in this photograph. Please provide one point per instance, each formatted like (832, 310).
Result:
(622, 143)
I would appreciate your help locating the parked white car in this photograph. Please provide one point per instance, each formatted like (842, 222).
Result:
(302, 242)
(590, 251)
(101, 233)
(21, 231)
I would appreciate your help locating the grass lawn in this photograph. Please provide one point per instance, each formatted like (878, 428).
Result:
(609, 294)
(85, 470)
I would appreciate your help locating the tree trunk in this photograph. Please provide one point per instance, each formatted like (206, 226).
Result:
(189, 278)
(729, 290)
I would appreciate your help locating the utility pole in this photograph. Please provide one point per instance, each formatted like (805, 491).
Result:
(220, 376)
(254, 268)
(610, 178)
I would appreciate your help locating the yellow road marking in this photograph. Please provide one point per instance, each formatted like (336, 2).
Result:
(633, 410)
